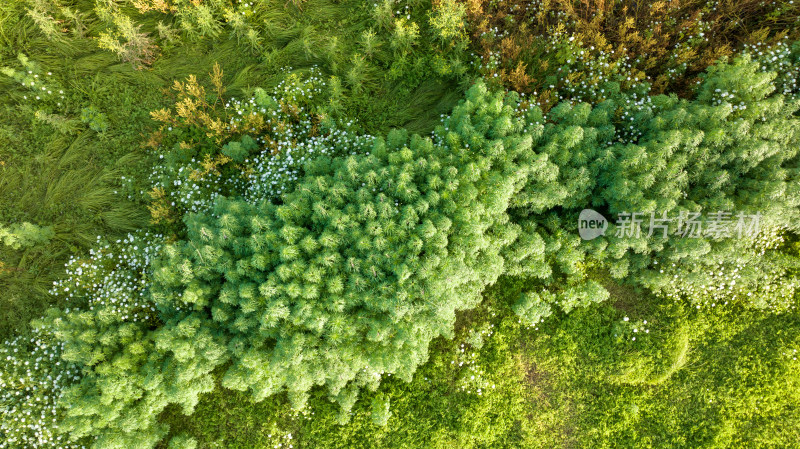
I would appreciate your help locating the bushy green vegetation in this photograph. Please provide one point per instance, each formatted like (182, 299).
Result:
(319, 224)
(631, 372)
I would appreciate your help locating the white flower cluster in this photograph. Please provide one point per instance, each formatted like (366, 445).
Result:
(280, 440)
(598, 68)
(185, 192)
(628, 330)
(33, 376)
(274, 174)
(293, 139)
(470, 376)
(764, 285)
(113, 276)
(39, 82)
(627, 130)
(782, 60)
(32, 379)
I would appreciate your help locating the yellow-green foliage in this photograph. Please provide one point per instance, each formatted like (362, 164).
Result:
(714, 379)
(698, 381)
(447, 18)
(24, 235)
(128, 41)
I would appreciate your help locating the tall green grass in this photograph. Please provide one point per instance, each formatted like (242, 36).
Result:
(63, 184)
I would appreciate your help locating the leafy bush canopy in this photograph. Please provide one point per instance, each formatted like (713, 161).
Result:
(364, 262)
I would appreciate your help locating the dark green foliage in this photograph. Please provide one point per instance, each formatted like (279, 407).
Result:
(238, 151)
(54, 172)
(96, 120)
(72, 194)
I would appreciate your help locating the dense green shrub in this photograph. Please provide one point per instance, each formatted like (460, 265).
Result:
(764, 274)
(362, 264)
(96, 120)
(732, 149)
(132, 365)
(251, 290)
(23, 235)
(350, 275)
